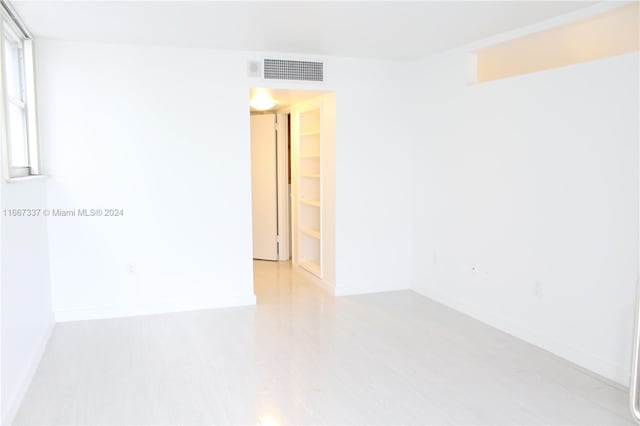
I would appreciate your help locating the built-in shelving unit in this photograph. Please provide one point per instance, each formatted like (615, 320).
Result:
(309, 203)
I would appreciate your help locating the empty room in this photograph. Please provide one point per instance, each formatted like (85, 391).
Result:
(320, 213)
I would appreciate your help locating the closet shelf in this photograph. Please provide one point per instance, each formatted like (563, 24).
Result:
(310, 232)
(314, 203)
(308, 135)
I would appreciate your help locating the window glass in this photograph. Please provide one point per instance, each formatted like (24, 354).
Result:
(17, 136)
(607, 34)
(13, 61)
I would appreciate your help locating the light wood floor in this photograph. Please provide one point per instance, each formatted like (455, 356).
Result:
(303, 357)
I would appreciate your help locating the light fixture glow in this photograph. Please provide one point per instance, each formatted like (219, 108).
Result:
(268, 420)
(262, 101)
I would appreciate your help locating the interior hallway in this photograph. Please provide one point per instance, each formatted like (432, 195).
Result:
(302, 356)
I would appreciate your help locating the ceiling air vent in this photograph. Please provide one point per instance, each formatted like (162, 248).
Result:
(279, 69)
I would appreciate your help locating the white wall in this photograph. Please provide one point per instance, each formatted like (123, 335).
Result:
(163, 133)
(27, 320)
(527, 204)
(375, 130)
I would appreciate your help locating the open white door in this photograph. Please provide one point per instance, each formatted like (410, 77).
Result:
(264, 186)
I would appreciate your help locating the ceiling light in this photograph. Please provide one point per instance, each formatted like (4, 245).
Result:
(268, 420)
(262, 101)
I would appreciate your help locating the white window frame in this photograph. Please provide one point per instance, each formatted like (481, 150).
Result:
(10, 22)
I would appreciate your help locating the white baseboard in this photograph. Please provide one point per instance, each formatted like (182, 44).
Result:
(12, 407)
(581, 358)
(135, 311)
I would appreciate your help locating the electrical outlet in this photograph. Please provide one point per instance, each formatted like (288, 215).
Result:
(131, 268)
(537, 289)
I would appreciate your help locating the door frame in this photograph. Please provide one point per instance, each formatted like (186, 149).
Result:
(282, 172)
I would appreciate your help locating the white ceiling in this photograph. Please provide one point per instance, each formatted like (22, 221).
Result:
(392, 30)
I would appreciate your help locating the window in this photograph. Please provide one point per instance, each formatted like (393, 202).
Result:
(17, 106)
(600, 36)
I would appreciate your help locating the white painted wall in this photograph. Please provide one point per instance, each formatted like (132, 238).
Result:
(164, 134)
(527, 204)
(375, 133)
(27, 320)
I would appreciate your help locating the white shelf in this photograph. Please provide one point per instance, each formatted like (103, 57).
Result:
(308, 135)
(314, 203)
(311, 266)
(311, 232)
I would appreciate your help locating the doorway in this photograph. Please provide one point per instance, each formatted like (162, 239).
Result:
(270, 185)
(293, 180)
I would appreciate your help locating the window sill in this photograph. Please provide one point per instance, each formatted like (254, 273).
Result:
(19, 179)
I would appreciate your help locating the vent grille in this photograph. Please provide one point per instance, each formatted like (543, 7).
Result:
(279, 69)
